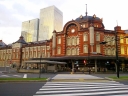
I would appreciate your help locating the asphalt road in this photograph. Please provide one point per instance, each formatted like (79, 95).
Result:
(24, 89)
(30, 88)
(20, 89)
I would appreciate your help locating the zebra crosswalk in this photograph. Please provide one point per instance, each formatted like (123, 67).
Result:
(110, 88)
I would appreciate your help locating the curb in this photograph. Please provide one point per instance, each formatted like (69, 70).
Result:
(3, 81)
(15, 81)
(109, 79)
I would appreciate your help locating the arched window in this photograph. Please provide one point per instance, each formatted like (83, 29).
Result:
(113, 40)
(77, 51)
(68, 52)
(113, 51)
(108, 40)
(77, 40)
(73, 51)
(106, 51)
(109, 51)
(73, 41)
(68, 40)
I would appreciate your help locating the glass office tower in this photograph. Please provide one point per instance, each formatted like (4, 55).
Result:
(51, 18)
(30, 30)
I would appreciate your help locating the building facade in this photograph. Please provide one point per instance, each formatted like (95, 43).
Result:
(78, 44)
(51, 18)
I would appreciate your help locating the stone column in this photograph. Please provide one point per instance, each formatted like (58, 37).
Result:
(95, 65)
(72, 66)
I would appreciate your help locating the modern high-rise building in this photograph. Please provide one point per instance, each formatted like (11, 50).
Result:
(30, 30)
(51, 18)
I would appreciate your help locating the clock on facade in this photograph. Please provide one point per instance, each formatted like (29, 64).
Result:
(73, 30)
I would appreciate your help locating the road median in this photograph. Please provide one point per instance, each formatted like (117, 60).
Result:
(23, 80)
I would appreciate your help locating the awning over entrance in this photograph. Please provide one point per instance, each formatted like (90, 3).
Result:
(79, 57)
(44, 62)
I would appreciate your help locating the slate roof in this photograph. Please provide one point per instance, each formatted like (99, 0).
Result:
(87, 17)
(2, 44)
(21, 40)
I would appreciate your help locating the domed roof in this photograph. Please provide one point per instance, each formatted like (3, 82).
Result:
(90, 18)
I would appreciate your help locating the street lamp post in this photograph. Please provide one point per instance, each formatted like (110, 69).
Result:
(117, 59)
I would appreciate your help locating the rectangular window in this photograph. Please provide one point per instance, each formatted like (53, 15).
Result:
(34, 54)
(121, 39)
(122, 49)
(43, 54)
(23, 55)
(39, 48)
(97, 37)
(48, 47)
(59, 40)
(39, 54)
(98, 48)
(85, 37)
(85, 49)
(17, 55)
(126, 40)
(127, 50)
(48, 54)
(59, 50)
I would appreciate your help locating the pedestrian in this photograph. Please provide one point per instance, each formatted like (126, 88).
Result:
(89, 70)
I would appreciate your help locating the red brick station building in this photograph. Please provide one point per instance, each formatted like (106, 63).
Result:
(77, 46)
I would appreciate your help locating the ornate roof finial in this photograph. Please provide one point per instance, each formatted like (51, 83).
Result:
(81, 16)
(101, 19)
(86, 10)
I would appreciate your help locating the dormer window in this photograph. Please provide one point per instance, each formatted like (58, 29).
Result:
(94, 16)
(83, 25)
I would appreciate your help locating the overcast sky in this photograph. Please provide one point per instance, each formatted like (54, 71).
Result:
(14, 12)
